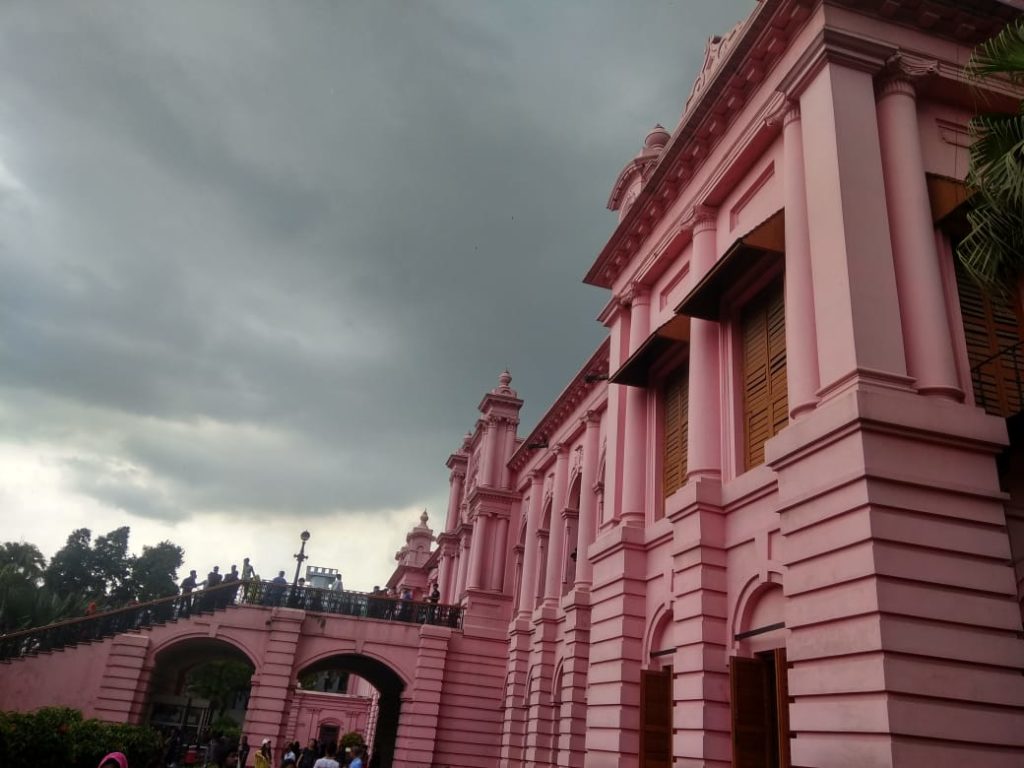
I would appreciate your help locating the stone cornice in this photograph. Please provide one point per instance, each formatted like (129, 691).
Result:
(491, 502)
(743, 66)
(574, 394)
(966, 22)
(713, 109)
(457, 462)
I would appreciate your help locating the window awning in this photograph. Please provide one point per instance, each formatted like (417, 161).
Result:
(635, 372)
(949, 201)
(760, 249)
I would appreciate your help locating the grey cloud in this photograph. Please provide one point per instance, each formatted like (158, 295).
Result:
(269, 256)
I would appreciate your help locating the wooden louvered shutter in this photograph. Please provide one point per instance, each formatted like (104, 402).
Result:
(765, 400)
(677, 396)
(991, 326)
(656, 718)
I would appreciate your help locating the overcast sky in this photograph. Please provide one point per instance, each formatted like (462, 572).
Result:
(260, 260)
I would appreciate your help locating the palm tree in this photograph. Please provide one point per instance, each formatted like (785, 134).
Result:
(994, 249)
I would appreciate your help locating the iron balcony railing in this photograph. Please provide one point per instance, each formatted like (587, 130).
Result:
(133, 618)
(998, 381)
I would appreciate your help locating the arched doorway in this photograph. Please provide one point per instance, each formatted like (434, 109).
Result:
(656, 695)
(388, 700)
(758, 682)
(199, 688)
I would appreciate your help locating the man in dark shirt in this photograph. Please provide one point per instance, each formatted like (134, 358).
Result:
(213, 579)
(187, 585)
(231, 577)
(277, 588)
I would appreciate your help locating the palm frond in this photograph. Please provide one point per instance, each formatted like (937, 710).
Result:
(992, 250)
(997, 157)
(1001, 55)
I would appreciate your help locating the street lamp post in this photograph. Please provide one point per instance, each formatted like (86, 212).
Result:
(300, 557)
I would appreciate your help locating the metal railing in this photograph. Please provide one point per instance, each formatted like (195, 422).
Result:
(139, 616)
(998, 381)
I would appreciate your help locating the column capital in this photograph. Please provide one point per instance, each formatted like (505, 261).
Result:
(536, 476)
(782, 111)
(902, 72)
(634, 294)
(700, 218)
(590, 419)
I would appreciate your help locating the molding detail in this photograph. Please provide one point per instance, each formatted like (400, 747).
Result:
(910, 66)
(715, 52)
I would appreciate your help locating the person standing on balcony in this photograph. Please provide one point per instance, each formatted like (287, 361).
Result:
(213, 579)
(278, 586)
(188, 584)
(231, 577)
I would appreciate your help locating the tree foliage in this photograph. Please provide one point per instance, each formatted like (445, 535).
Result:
(83, 571)
(993, 249)
(154, 572)
(219, 682)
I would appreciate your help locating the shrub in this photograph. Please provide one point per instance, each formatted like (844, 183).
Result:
(57, 737)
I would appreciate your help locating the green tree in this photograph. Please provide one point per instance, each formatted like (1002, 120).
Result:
(219, 682)
(24, 559)
(71, 572)
(24, 602)
(112, 565)
(154, 573)
(993, 251)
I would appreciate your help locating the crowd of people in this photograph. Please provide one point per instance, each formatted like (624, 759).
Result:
(387, 604)
(221, 751)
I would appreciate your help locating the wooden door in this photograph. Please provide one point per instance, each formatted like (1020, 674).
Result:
(760, 711)
(656, 718)
(751, 706)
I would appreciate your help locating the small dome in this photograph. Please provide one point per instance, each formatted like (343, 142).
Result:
(505, 379)
(657, 138)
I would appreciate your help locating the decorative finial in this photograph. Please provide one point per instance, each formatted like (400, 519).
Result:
(424, 517)
(657, 138)
(505, 379)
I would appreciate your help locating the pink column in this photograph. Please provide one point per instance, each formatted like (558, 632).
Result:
(478, 551)
(704, 437)
(856, 306)
(417, 732)
(510, 448)
(499, 554)
(447, 568)
(634, 441)
(463, 565)
(556, 542)
(455, 480)
(528, 593)
(918, 275)
(588, 499)
(801, 341)
(490, 453)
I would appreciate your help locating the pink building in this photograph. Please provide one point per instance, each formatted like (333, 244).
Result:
(776, 519)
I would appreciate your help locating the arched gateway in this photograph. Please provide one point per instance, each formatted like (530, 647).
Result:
(123, 666)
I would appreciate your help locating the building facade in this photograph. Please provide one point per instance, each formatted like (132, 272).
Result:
(777, 518)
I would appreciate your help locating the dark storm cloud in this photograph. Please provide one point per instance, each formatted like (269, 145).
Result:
(264, 256)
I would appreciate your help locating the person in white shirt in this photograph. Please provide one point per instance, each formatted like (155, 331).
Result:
(328, 760)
